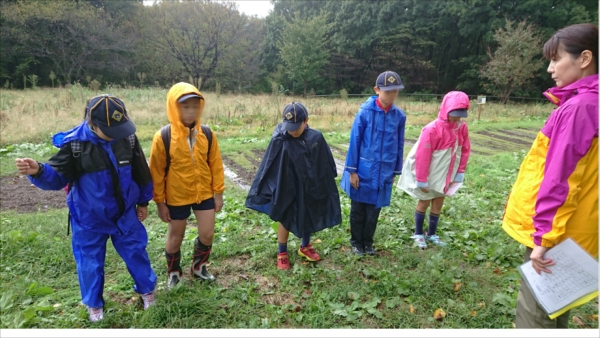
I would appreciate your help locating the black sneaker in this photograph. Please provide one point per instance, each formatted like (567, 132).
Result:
(369, 250)
(359, 251)
(203, 274)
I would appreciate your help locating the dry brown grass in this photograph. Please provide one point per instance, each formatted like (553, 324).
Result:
(33, 115)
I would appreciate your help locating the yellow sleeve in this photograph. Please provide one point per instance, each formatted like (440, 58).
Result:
(216, 166)
(157, 168)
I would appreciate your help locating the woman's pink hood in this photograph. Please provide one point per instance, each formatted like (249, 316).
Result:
(453, 101)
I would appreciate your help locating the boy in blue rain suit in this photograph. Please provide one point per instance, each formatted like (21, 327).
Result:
(109, 187)
(374, 159)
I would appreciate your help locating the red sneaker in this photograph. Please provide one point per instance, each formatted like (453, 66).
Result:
(283, 263)
(309, 253)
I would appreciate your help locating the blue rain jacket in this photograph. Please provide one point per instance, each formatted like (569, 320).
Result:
(375, 153)
(96, 201)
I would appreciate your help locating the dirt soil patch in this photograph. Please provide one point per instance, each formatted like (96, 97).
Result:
(20, 195)
(243, 174)
(505, 138)
(259, 153)
(253, 160)
(524, 135)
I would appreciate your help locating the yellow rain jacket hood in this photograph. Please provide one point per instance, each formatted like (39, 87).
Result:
(194, 176)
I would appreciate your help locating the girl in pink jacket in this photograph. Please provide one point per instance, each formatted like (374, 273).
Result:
(438, 159)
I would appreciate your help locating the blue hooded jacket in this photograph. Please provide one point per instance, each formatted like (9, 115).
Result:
(97, 202)
(375, 153)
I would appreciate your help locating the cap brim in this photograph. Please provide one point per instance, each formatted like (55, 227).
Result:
(459, 113)
(118, 132)
(188, 96)
(388, 88)
(289, 126)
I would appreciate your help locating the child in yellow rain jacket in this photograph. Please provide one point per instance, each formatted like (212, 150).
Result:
(187, 171)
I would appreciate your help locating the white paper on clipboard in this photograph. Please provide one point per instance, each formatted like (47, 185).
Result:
(453, 188)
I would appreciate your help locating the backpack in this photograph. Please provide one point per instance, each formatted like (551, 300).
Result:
(165, 133)
(76, 151)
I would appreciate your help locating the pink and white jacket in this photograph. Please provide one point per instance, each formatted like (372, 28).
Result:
(440, 155)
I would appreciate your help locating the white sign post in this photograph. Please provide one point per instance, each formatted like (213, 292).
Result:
(480, 101)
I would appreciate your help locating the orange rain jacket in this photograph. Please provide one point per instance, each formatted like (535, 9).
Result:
(191, 179)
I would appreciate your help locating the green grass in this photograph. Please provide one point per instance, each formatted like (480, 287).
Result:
(340, 291)
(474, 280)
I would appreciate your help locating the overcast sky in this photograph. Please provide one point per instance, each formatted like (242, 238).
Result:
(251, 7)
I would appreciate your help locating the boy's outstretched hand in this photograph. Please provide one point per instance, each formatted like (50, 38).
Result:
(27, 166)
(354, 181)
(163, 212)
(218, 202)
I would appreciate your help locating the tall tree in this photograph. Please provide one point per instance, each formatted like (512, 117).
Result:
(197, 34)
(303, 48)
(515, 61)
(75, 37)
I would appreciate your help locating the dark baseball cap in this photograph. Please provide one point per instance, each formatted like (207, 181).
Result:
(109, 114)
(389, 80)
(293, 115)
(459, 113)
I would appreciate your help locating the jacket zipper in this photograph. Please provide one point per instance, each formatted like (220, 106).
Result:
(381, 153)
(191, 146)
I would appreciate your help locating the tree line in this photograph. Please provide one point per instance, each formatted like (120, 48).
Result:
(301, 47)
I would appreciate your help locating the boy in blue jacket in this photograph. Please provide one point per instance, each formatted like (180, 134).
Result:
(374, 159)
(109, 187)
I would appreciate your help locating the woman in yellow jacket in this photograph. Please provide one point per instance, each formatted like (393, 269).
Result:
(192, 178)
(556, 193)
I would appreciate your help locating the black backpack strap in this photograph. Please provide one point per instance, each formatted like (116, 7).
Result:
(76, 150)
(208, 133)
(165, 134)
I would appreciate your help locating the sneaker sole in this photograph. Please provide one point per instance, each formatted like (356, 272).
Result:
(308, 258)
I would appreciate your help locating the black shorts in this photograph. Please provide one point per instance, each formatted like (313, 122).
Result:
(182, 212)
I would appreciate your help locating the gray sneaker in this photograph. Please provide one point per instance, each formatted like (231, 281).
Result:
(435, 239)
(96, 314)
(148, 300)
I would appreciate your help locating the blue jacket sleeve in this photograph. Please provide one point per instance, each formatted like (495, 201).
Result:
(356, 136)
(398, 169)
(49, 179)
(146, 193)
(58, 172)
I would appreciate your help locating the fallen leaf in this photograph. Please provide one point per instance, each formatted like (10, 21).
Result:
(577, 321)
(473, 313)
(317, 241)
(481, 305)
(244, 277)
(208, 264)
(488, 264)
(497, 271)
(593, 317)
(223, 306)
(439, 314)
(298, 308)
(411, 309)
(514, 325)
(457, 286)
(59, 304)
(465, 254)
